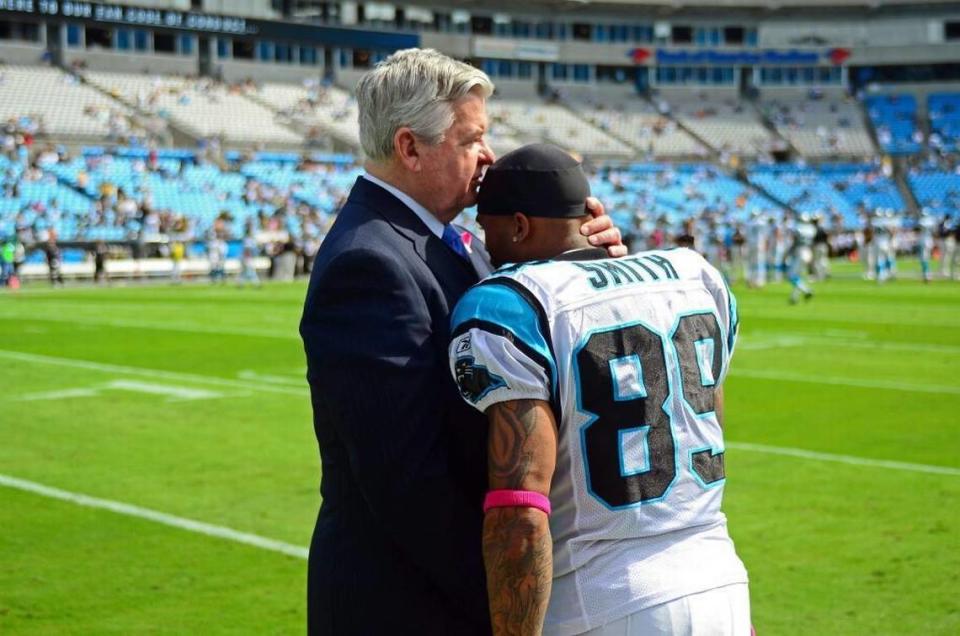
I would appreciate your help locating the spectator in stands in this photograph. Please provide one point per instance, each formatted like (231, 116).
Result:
(404, 465)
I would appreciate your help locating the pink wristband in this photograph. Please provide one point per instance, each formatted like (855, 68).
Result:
(516, 499)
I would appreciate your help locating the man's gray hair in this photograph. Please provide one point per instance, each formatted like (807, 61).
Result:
(414, 88)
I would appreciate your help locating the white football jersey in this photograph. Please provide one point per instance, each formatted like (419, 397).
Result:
(629, 352)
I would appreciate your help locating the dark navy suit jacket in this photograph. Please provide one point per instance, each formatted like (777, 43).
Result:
(397, 545)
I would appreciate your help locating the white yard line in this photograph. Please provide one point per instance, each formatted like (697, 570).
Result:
(889, 385)
(780, 341)
(155, 374)
(944, 320)
(182, 523)
(186, 327)
(843, 459)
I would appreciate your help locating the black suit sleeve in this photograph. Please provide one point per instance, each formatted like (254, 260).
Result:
(378, 381)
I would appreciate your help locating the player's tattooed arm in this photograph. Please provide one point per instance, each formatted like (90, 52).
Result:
(517, 547)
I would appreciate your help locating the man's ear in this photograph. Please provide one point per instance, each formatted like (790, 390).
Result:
(521, 227)
(406, 149)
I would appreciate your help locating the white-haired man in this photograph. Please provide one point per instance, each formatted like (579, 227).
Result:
(396, 549)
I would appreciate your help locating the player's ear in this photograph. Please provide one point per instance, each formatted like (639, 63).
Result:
(521, 227)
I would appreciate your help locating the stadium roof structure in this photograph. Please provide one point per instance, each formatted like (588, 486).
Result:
(671, 5)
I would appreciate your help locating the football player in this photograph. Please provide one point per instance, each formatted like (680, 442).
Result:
(800, 256)
(927, 229)
(601, 381)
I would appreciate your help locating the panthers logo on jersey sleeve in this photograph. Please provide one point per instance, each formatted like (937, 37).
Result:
(475, 380)
(499, 351)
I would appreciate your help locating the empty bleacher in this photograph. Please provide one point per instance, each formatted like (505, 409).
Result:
(203, 108)
(820, 125)
(62, 106)
(721, 118)
(529, 121)
(629, 117)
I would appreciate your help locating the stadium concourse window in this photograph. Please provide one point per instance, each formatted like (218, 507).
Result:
(951, 30)
(481, 25)
(642, 33)
(733, 35)
(362, 58)
(616, 74)
(460, 22)
(559, 71)
(186, 45)
(99, 38)
(74, 35)
(681, 34)
(243, 50)
(582, 31)
(543, 30)
(694, 76)
(223, 48)
(19, 31)
(524, 70)
(521, 29)
(164, 43)
(283, 53)
(703, 36)
(581, 73)
(123, 39)
(141, 40)
(801, 76)
(308, 56)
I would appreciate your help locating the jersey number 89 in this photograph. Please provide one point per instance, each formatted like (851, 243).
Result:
(641, 405)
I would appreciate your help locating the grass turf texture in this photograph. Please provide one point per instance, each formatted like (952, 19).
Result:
(862, 370)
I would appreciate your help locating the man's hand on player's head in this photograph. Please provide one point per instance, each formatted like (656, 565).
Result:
(601, 231)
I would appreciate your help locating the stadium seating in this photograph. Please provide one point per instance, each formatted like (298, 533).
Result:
(77, 113)
(529, 121)
(202, 107)
(944, 111)
(634, 120)
(819, 125)
(845, 189)
(722, 119)
(894, 118)
(938, 192)
(314, 107)
(676, 193)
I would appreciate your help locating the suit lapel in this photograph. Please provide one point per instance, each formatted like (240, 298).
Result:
(441, 259)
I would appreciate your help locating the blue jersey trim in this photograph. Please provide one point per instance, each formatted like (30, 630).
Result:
(496, 303)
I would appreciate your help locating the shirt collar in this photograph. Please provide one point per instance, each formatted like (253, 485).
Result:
(432, 222)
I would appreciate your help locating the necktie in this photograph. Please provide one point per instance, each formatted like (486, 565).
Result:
(452, 238)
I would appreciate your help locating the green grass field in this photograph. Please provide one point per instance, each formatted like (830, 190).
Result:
(191, 402)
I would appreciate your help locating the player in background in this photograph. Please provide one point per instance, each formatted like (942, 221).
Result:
(602, 383)
(949, 229)
(757, 237)
(926, 230)
(779, 244)
(821, 250)
(867, 245)
(248, 258)
(799, 257)
(883, 245)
